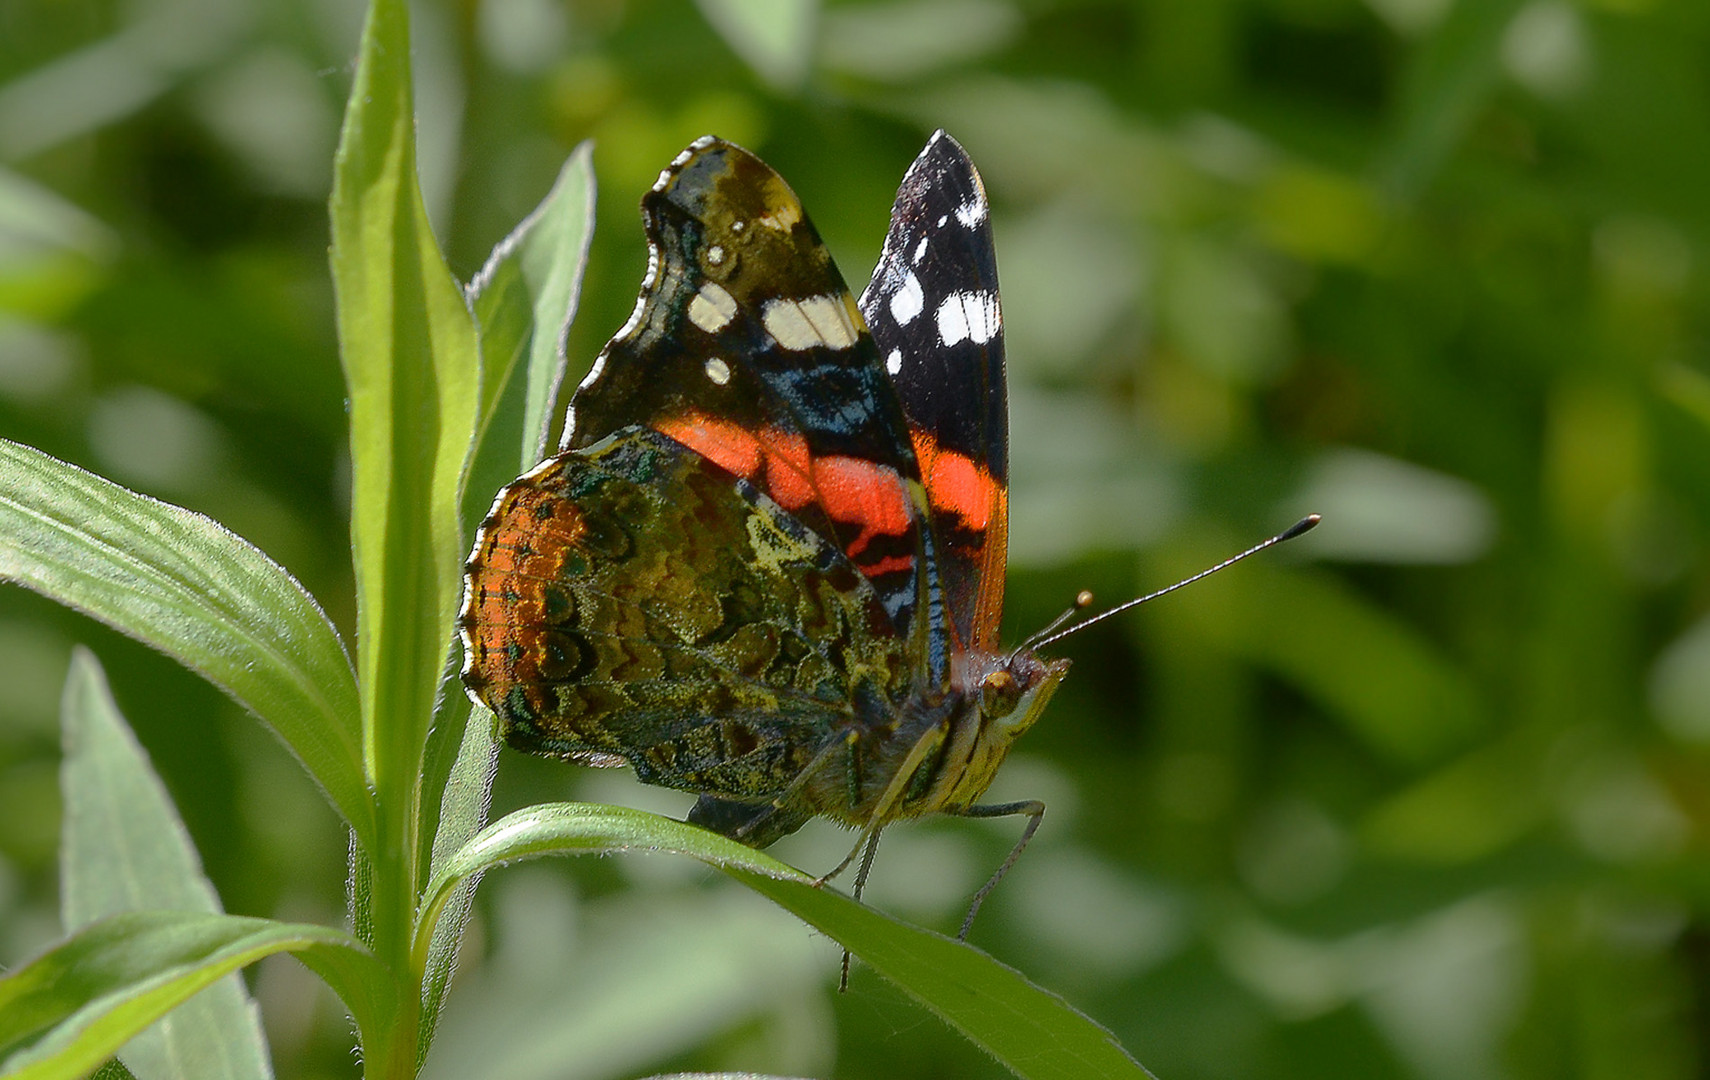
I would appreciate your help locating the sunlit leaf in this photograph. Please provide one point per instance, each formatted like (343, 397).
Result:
(181, 583)
(525, 299)
(462, 811)
(411, 364)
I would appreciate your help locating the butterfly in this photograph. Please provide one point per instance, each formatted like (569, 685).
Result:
(766, 565)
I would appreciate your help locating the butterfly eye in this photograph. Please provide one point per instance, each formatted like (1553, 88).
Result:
(999, 693)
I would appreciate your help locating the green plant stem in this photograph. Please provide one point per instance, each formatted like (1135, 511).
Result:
(394, 917)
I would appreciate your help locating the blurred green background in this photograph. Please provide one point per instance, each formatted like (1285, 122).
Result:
(1421, 796)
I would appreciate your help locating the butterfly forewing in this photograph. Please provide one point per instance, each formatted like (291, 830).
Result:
(747, 347)
(937, 327)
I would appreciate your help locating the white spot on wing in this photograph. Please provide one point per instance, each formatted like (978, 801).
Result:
(893, 362)
(715, 255)
(830, 314)
(919, 252)
(970, 316)
(814, 320)
(712, 308)
(907, 301)
(784, 320)
(718, 371)
(973, 211)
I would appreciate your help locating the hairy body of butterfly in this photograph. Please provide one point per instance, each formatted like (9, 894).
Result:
(766, 565)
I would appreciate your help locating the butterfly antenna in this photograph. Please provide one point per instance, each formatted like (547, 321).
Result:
(1046, 637)
(1083, 600)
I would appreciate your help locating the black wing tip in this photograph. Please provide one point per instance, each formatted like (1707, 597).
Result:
(942, 147)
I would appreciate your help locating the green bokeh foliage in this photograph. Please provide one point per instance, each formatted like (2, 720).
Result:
(1419, 798)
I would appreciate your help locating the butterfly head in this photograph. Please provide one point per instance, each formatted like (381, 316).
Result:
(1014, 692)
(1004, 699)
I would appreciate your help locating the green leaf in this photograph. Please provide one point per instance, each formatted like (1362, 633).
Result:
(720, 1076)
(525, 299)
(462, 812)
(185, 585)
(1030, 1030)
(87, 996)
(411, 364)
(125, 849)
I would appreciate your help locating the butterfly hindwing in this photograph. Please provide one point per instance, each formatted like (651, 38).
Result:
(629, 604)
(746, 347)
(937, 326)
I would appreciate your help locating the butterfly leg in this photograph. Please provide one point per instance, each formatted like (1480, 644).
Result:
(860, 885)
(883, 810)
(1035, 811)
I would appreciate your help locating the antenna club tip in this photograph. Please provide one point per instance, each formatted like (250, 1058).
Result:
(1304, 525)
(1084, 599)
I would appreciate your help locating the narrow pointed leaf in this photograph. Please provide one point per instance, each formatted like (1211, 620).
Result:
(463, 810)
(125, 849)
(525, 299)
(1031, 1031)
(185, 585)
(68, 1010)
(721, 1076)
(408, 346)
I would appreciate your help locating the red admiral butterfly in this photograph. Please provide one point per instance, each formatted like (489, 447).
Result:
(767, 564)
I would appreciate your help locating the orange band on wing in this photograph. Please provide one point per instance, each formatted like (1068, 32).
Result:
(852, 490)
(864, 492)
(954, 483)
(730, 446)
